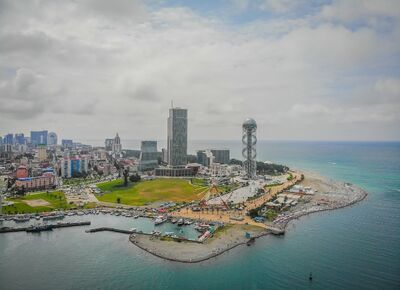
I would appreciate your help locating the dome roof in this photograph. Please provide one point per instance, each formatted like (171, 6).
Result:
(249, 123)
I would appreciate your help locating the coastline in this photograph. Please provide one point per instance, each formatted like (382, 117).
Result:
(157, 249)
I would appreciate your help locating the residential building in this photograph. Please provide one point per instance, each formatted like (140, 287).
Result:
(177, 137)
(205, 157)
(70, 167)
(22, 172)
(52, 139)
(221, 155)
(67, 143)
(42, 153)
(46, 181)
(109, 144)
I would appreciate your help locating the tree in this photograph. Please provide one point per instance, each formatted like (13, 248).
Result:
(118, 200)
(235, 162)
(126, 175)
(134, 177)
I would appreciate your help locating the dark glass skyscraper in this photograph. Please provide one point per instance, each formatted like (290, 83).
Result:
(177, 136)
(39, 137)
(19, 138)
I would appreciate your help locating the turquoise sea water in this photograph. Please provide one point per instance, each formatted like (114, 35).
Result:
(352, 248)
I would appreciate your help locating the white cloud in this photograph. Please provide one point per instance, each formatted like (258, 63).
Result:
(79, 61)
(365, 10)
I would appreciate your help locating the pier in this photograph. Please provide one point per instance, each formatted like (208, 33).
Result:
(55, 226)
(106, 229)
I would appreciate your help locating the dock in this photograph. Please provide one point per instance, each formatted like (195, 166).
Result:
(107, 229)
(55, 226)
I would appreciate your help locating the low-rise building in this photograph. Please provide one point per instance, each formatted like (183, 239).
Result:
(46, 181)
(176, 171)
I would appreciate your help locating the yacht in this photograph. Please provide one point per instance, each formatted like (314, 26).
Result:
(159, 220)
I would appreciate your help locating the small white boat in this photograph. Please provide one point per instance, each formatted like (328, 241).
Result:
(159, 220)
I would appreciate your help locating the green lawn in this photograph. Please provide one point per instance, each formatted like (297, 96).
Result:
(56, 199)
(177, 190)
(227, 188)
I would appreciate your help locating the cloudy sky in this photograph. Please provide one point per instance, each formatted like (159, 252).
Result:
(309, 70)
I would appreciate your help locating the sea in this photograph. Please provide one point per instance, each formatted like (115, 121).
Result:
(356, 247)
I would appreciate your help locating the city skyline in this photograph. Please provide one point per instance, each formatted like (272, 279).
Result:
(323, 70)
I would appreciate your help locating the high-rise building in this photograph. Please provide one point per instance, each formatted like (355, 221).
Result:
(117, 147)
(20, 138)
(177, 137)
(9, 139)
(221, 155)
(52, 139)
(39, 138)
(148, 155)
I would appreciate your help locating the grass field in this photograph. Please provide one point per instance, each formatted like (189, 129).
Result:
(177, 190)
(55, 199)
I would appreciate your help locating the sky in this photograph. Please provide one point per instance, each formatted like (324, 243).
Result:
(304, 70)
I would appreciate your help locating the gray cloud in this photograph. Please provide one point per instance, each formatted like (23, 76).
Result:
(108, 65)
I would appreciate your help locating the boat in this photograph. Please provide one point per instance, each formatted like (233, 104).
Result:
(202, 227)
(133, 229)
(188, 222)
(53, 217)
(22, 219)
(37, 217)
(159, 220)
(180, 222)
(40, 228)
(174, 220)
(136, 216)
